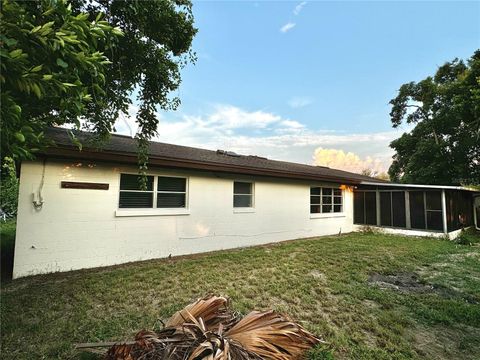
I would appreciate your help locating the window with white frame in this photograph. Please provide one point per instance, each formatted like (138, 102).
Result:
(131, 195)
(325, 200)
(171, 192)
(242, 194)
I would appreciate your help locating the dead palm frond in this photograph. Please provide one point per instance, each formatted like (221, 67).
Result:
(208, 330)
(213, 310)
(271, 336)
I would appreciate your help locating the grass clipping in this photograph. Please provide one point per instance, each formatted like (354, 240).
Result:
(208, 329)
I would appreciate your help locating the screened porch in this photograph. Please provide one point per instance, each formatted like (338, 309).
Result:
(416, 207)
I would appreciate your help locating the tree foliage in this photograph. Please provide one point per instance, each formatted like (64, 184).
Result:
(146, 61)
(51, 69)
(444, 145)
(63, 62)
(8, 188)
(375, 174)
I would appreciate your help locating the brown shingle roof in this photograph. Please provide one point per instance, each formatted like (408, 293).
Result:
(123, 149)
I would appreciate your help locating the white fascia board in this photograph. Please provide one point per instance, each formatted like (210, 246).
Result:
(421, 186)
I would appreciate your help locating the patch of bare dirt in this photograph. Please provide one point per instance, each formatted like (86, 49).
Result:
(404, 282)
(409, 282)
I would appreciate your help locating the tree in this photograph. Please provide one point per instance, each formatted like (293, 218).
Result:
(157, 41)
(375, 174)
(444, 145)
(8, 188)
(89, 58)
(51, 69)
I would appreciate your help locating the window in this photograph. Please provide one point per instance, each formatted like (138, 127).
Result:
(242, 194)
(130, 194)
(171, 192)
(325, 200)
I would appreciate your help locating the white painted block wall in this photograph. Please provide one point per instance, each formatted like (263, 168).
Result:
(78, 228)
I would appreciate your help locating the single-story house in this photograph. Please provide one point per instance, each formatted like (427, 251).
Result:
(82, 209)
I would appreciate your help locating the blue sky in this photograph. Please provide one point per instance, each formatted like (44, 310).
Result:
(283, 79)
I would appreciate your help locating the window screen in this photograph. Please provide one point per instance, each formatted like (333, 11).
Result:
(370, 208)
(325, 200)
(130, 194)
(242, 194)
(459, 209)
(392, 209)
(398, 209)
(359, 207)
(417, 210)
(386, 208)
(365, 207)
(433, 206)
(171, 192)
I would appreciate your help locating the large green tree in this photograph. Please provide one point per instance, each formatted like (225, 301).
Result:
(51, 68)
(66, 61)
(444, 145)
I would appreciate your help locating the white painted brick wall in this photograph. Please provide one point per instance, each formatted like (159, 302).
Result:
(79, 229)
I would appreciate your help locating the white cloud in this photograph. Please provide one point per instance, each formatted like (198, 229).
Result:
(231, 117)
(267, 134)
(292, 124)
(299, 102)
(349, 161)
(287, 27)
(299, 7)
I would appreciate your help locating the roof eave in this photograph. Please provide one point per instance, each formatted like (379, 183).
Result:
(129, 158)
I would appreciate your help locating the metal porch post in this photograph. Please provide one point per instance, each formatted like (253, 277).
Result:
(444, 213)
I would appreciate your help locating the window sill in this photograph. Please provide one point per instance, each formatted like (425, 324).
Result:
(151, 212)
(243, 210)
(327, 215)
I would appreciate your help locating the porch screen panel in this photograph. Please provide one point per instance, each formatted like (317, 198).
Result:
(370, 208)
(358, 208)
(386, 208)
(417, 210)
(459, 209)
(398, 209)
(433, 207)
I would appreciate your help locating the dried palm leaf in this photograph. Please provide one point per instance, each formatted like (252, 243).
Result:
(213, 310)
(271, 336)
(209, 330)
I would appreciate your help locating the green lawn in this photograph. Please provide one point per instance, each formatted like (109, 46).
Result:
(322, 283)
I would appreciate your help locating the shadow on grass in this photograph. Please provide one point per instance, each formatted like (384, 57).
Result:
(7, 242)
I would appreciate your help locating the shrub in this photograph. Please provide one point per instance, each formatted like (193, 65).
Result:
(468, 237)
(8, 188)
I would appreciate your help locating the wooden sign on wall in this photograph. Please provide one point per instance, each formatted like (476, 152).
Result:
(83, 185)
